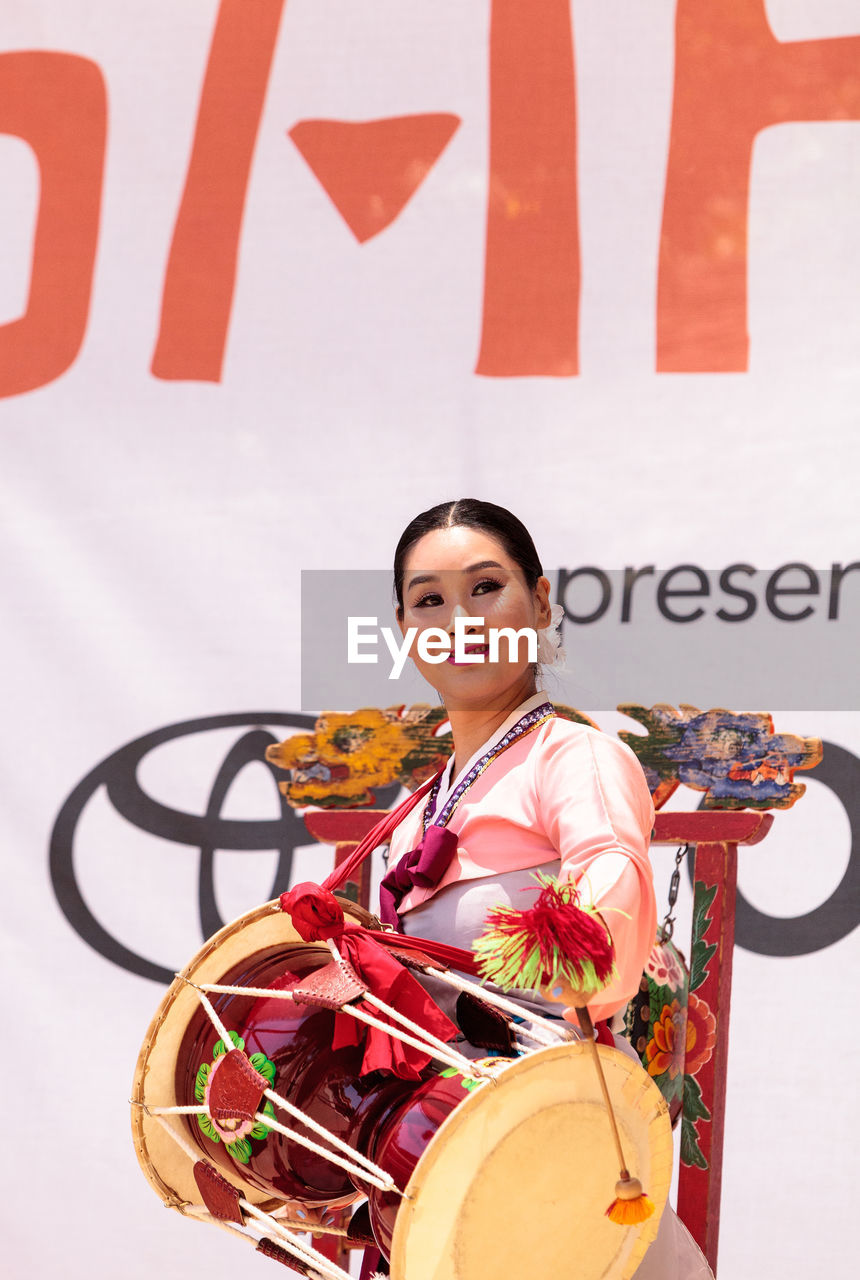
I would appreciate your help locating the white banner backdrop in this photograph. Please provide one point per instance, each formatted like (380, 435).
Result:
(186, 424)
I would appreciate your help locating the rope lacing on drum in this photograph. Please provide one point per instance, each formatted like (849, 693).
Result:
(305, 1253)
(537, 1028)
(425, 1039)
(352, 1161)
(419, 1039)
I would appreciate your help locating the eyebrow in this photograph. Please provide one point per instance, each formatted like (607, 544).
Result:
(473, 568)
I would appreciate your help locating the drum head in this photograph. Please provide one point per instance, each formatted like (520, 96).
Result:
(168, 1168)
(517, 1180)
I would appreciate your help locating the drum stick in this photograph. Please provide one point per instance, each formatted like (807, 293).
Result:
(631, 1205)
(507, 1006)
(588, 1031)
(558, 939)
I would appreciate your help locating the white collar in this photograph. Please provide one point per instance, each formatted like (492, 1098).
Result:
(447, 783)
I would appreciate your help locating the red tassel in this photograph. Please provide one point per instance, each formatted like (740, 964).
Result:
(555, 938)
(561, 922)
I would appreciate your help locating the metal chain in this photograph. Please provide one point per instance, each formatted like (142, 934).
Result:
(667, 928)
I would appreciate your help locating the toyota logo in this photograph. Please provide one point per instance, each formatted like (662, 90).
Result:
(200, 833)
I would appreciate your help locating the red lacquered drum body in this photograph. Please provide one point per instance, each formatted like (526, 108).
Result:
(402, 1140)
(389, 1120)
(325, 1083)
(457, 1145)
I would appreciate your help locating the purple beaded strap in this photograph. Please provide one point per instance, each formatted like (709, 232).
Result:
(426, 864)
(531, 720)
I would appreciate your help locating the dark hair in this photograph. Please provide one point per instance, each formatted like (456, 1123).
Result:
(498, 522)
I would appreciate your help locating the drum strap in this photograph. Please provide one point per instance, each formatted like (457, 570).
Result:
(453, 957)
(378, 835)
(441, 952)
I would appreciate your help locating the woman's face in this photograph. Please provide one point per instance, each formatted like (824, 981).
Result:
(463, 572)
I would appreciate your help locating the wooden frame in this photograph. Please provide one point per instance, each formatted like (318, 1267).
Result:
(714, 836)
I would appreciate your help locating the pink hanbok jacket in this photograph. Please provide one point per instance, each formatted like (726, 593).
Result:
(564, 791)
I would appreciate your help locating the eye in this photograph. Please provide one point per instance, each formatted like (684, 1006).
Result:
(486, 585)
(430, 600)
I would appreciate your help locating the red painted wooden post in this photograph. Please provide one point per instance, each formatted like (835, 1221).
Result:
(716, 836)
(345, 828)
(742, 826)
(716, 874)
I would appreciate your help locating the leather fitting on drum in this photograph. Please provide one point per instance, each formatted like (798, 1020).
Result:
(413, 959)
(272, 1250)
(220, 1197)
(330, 987)
(483, 1026)
(236, 1089)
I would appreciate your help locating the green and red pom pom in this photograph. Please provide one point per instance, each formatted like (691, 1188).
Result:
(555, 939)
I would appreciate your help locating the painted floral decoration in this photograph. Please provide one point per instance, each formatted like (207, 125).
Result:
(467, 1083)
(665, 968)
(348, 755)
(656, 1020)
(235, 1134)
(735, 757)
(665, 1051)
(701, 1034)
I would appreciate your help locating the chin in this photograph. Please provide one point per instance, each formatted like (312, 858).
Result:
(477, 686)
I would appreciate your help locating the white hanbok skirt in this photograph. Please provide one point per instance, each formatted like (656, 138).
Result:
(456, 915)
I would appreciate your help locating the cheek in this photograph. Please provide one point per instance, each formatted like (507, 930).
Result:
(422, 626)
(508, 608)
(422, 622)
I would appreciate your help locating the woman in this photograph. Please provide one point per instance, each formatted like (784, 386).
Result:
(524, 790)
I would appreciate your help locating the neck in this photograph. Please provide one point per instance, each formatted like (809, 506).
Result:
(471, 726)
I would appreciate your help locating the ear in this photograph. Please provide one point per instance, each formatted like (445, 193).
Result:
(542, 602)
(398, 617)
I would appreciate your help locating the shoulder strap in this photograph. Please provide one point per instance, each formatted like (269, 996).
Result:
(447, 956)
(376, 836)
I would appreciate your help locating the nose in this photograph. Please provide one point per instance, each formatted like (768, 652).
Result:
(459, 612)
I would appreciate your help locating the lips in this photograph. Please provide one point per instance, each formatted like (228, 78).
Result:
(483, 649)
